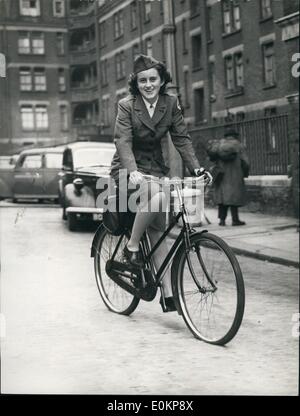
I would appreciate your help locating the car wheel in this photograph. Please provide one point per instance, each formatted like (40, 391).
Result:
(40, 200)
(72, 221)
(15, 200)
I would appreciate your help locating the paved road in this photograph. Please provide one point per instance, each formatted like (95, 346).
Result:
(60, 338)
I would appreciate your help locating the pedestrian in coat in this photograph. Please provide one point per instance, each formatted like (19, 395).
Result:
(144, 118)
(231, 165)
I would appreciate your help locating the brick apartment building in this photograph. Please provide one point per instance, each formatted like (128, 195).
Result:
(35, 95)
(231, 61)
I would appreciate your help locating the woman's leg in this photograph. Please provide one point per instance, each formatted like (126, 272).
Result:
(222, 213)
(143, 219)
(159, 255)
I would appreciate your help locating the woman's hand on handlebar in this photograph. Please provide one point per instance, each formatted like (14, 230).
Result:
(136, 177)
(205, 174)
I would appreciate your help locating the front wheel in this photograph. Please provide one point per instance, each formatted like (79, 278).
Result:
(115, 298)
(212, 298)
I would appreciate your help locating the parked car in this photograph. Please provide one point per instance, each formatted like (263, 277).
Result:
(83, 164)
(7, 164)
(36, 174)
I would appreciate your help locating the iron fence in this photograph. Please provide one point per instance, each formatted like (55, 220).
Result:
(265, 139)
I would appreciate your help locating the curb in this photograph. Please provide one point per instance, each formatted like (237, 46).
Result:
(254, 254)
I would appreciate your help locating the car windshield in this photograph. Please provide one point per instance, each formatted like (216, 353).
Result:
(93, 157)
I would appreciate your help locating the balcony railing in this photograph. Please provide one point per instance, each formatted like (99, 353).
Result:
(84, 94)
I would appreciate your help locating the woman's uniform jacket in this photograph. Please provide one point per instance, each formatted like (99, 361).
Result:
(138, 137)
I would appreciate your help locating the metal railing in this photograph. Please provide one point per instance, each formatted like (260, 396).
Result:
(265, 139)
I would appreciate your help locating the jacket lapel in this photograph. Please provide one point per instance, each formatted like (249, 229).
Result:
(160, 110)
(142, 113)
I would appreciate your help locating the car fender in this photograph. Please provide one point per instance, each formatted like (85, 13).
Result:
(83, 199)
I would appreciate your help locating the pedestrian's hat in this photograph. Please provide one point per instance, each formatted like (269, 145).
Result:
(143, 62)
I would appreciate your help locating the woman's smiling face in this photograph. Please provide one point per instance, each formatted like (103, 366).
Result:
(149, 83)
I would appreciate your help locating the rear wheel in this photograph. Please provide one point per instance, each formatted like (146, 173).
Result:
(115, 298)
(215, 315)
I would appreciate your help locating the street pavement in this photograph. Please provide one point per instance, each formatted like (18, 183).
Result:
(58, 337)
(266, 237)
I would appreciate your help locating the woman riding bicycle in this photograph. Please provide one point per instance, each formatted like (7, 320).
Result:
(143, 119)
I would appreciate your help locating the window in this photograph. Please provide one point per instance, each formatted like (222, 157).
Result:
(184, 31)
(212, 78)
(32, 162)
(186, 89)
(30, 8)
(102, 34)
(53, 160)
(269, 64)
(265, 8)
(24, 43)
(229, 73)
(105, 111)
(199, 105)
(239, 69)
(31, 42)
(103, 72)
(209, 26)
(195, 7)
(147, 10)
(61, 80)
(25, 79)
(118, 24)
(37, 43)
(135, 51)
(60, 44)
(64, 120)
(58, 8)
(120, 65)
(133, 15)
(39, 77)
(231, 16)
(196, 51)
(34, 117)
(41, 117)
(148, 47)
(27, 117)
(234, 71)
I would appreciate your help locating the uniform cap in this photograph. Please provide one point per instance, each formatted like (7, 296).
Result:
(144, 62)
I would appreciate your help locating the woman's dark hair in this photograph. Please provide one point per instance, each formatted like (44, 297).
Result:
(164, 76)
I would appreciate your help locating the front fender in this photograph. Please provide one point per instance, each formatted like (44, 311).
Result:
(96, 236)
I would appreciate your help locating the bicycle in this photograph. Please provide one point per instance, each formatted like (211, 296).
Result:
(207, 281)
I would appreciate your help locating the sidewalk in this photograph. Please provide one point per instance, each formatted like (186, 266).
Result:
(265, 237)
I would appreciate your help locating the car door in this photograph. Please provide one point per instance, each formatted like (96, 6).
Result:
(52, 164)
(28, 176)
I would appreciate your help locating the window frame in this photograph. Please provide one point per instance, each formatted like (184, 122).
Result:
(39, 79)
(63, 10)
(195, 47)
(273, 69)
(60, 44)
(263, 14)
(25, 73)
(231, 16)
(23, 8)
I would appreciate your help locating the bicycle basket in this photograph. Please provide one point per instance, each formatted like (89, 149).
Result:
(192, 193)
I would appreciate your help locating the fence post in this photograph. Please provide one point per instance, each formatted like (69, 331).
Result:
(293, 123)
(2, 65)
